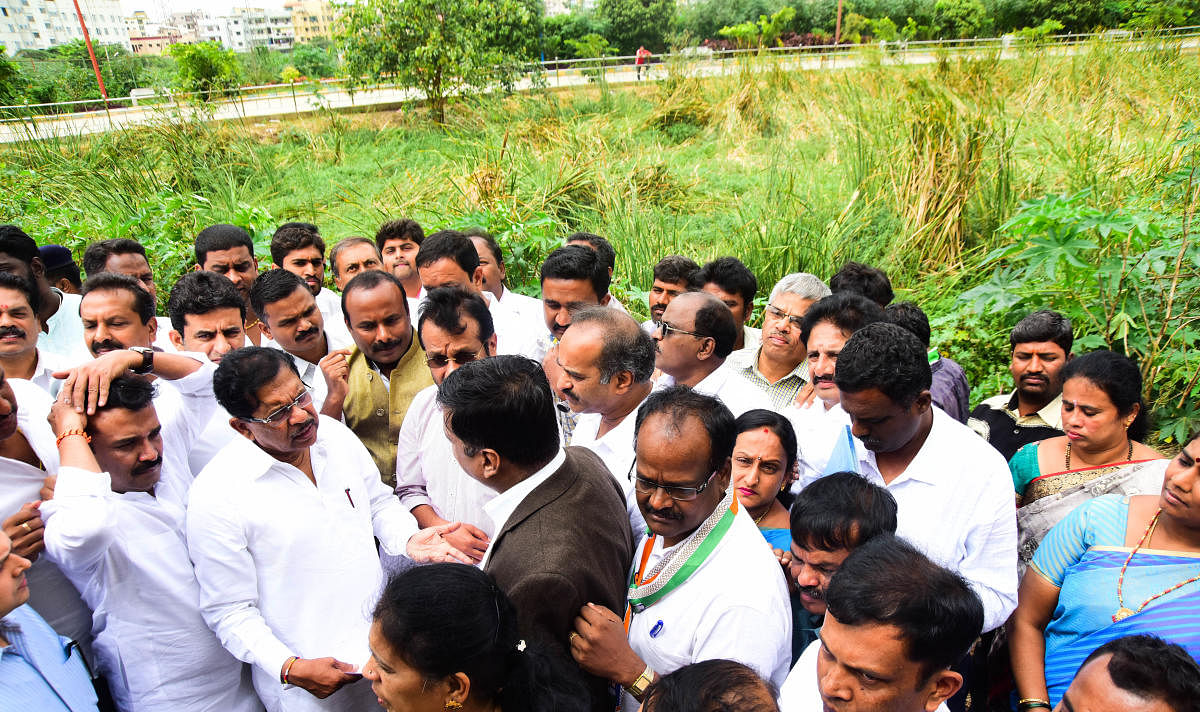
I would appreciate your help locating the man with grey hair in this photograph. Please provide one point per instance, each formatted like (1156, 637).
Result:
(779, 366)
(352, 256)
(605, 362)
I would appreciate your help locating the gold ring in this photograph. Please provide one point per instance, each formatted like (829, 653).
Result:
(27, 529)
(572, 636)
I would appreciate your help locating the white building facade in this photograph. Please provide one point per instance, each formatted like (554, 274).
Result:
(247, 28)
(42, 24)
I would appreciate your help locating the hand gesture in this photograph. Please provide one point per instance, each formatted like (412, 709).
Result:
(335, 368)
(807, 394)
(321, 676)
(64, 416)
(600, 646)
(470, 540)
(25, 529)
(429, 545)
(86, 385)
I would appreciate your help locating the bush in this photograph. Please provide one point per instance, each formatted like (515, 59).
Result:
(961, 19)
(205, 67)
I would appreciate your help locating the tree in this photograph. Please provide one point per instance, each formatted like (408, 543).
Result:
(10, 79)
(961, 18)
(637, 23)
(313, 62)
(205, 67)
(429, 45)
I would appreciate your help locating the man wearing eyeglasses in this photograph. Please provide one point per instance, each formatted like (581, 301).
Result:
(282, 528)
(703, 586)
(455, 329)
(386, 369)
(779, 365)
(694, 338)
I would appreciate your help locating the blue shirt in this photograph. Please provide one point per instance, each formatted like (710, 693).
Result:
(38, 671)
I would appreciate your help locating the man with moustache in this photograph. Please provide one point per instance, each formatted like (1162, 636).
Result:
(291, 320)
(299, 249)
(1041, 346)
(694, 338)
(670, 280)
(125, 256)
(115, 527)
(58, 312)
(227, 250)
(19, 329)
(282, 528)
(398, 242)
(817, 417)
(455, 329)
(352, 256)
(778, 366)
(491, 263)
(704, 586)
(384, 371)
(571, 278)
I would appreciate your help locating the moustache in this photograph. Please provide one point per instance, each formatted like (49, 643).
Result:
(812, 592)
(144, 467)
(12, 331)
(306, 334)
(823, 379)
(106, 345)
(299, 428)
(570, 396)
(384, 345)
(664, 514)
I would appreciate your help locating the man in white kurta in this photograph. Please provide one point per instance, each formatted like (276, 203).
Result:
(286, 557)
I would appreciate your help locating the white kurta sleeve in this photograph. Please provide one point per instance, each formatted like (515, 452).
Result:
(391, 521)
(989, 562)
(81, 519)
(411, 486)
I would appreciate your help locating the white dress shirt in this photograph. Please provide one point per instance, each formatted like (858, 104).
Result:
(801, 692)
(47, 364)
(956, 505)
(514, 333)
(311, 373)
(64, 331)
(288, 568)
(216, 435)
(735, 607)
(817, 432)
(530, 308)
(724, 384)
(501, 507)
(427, 473)
(751, 338)
(615, 448)
(329, 303)
(162, 336)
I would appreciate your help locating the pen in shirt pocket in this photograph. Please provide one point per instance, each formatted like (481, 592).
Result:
(349, 497)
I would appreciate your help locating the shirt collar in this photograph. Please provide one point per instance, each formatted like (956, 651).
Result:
(1050, 414)
(502, 506)
(924, 466)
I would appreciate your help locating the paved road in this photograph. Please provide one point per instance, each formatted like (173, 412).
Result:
(284, 103)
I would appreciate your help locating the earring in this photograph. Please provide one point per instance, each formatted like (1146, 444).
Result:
(453, 705)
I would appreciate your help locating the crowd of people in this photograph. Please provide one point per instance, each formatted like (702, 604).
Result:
(426, 491)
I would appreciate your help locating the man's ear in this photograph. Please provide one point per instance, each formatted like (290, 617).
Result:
(490, 346)
(477, 278)
(38, 268)
(491, 463)
(605, 299)
(266, 330)
(622, 381)
(923, 402)
(942, 687)
(707, 349)
(176, 339)
(241, 428)
(152, 325)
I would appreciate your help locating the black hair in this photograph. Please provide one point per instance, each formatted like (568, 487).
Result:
(847, 311)
(782, 428)
(711, 686)
(674, 269)
(1152, 669)
(128, 392)
(289, 238)
(1041, 326)
(15, 243)
(403, 229)
(451, 245)
(1121, 381)
(841, 511)
(143, 303)
(678, 403)
(909, 316)
(604, 249)
(371, 279)
(579, 263)
(886, 357)
(95, 257)
(347, 243)
(272, 286)
(502, 403)
(201, 293)
(624, 346)
(871, 282)
(443, 619)
(68, 271)
(242, 372)
(18, 283)
(730, 275)
(300, 226)
(489, 240)
(885, 581)
(714, 319)
(216, 238)
(448, 308)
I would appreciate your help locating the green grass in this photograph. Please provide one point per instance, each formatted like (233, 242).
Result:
(911, 168)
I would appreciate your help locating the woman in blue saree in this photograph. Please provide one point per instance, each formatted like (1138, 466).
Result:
(1115, 566)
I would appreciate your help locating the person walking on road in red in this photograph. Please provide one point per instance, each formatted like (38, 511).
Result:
(643, 55)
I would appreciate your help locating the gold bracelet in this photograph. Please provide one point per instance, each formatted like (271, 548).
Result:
(1031, 703)
(639, 686)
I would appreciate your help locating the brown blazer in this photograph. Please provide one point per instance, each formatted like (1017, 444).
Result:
(566, 544)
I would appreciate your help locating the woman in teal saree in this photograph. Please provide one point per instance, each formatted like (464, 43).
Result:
(1115, 566)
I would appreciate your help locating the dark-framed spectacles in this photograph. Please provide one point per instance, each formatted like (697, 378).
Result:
(778, 313)
(675, 492)
(459, 358)
(274, 417)
(667, 328)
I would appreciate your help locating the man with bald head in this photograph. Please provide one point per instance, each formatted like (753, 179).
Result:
(697, 333)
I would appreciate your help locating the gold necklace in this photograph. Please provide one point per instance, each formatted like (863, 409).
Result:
(1128, 455)
(762, 517)
(1122, 611)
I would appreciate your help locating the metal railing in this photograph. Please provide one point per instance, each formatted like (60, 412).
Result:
(166, 97)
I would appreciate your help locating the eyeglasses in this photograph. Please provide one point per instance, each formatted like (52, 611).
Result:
(459, 358)
(667, 328)
(778, 313)
(679, 494)
(302, 401)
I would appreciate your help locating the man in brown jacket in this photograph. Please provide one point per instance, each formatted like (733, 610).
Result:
(562, 536)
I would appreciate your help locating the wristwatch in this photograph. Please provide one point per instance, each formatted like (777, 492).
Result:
(638, 688)
(147, 359)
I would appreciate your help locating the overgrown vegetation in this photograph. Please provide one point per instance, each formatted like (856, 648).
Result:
(987, 188)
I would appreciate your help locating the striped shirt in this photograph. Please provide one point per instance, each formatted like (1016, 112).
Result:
(781, 393)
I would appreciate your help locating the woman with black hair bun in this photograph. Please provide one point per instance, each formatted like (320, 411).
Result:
(445, 637)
